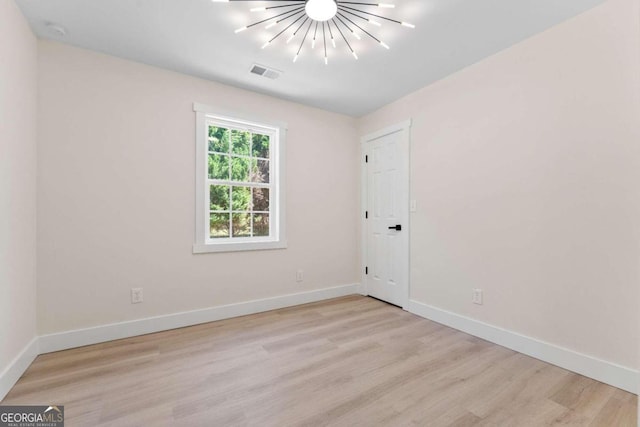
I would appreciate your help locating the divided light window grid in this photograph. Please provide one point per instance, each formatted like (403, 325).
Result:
(239, 182)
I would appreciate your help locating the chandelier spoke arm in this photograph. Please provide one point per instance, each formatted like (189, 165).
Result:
(302, 43)
(261, 9)
(344, 38)
(287, 17)
(288, 1)
(353, 33)
(324, 38)
(381, 5)
(359, 16)
(365, 31)
(298, 29)
(286, 28)
(292, 12)
(315, 33)
(333, 41)
(372, 14)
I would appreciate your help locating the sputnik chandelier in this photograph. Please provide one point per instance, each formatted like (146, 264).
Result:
(321, 20)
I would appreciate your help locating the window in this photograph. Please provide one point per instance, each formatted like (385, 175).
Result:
(239, 183)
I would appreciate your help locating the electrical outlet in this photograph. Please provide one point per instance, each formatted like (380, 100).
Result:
(136, 295)
(299, 276)
(477, 296)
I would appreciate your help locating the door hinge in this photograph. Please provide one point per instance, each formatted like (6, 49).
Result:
(366, 214)
(366, 159)
(366, 270)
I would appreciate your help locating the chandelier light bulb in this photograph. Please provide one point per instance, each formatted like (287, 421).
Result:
(321, 10)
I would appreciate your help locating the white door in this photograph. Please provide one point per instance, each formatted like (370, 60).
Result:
(386, 213)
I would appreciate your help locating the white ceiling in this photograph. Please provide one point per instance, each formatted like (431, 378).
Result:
(197, 37)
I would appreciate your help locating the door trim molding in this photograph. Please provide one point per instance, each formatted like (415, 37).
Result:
(402, 126)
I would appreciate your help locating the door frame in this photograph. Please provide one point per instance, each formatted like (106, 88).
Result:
(405, 158)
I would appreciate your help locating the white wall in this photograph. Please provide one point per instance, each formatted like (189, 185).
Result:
(525, 168)
(116, 195)
(18, 124)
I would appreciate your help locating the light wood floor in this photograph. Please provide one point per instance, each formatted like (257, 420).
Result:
(351, 361)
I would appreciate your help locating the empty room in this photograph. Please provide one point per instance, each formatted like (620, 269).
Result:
(319, 213)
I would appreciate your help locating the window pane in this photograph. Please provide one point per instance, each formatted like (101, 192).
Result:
(241, 198)
(260, 145)
(240, 142)
(260, 199)
(241, 225)
(219, 197)
(218, 166)
(260, 171)
(261, 224)
(219, 226)
(239, 169)
(218, 139)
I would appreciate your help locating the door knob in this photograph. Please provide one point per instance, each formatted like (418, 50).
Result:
(396, 227)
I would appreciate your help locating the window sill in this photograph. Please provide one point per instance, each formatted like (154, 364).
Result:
(204, 248)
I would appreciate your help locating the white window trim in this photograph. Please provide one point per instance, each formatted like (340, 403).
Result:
(201, 243)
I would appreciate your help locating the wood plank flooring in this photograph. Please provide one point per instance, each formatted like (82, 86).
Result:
(352, 361)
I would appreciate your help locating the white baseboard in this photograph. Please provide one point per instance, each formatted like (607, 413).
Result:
(16, 368)
(81, 337)
(115, 331)
(606, 372)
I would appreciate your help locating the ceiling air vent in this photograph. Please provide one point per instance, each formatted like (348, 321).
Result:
(267, 72)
